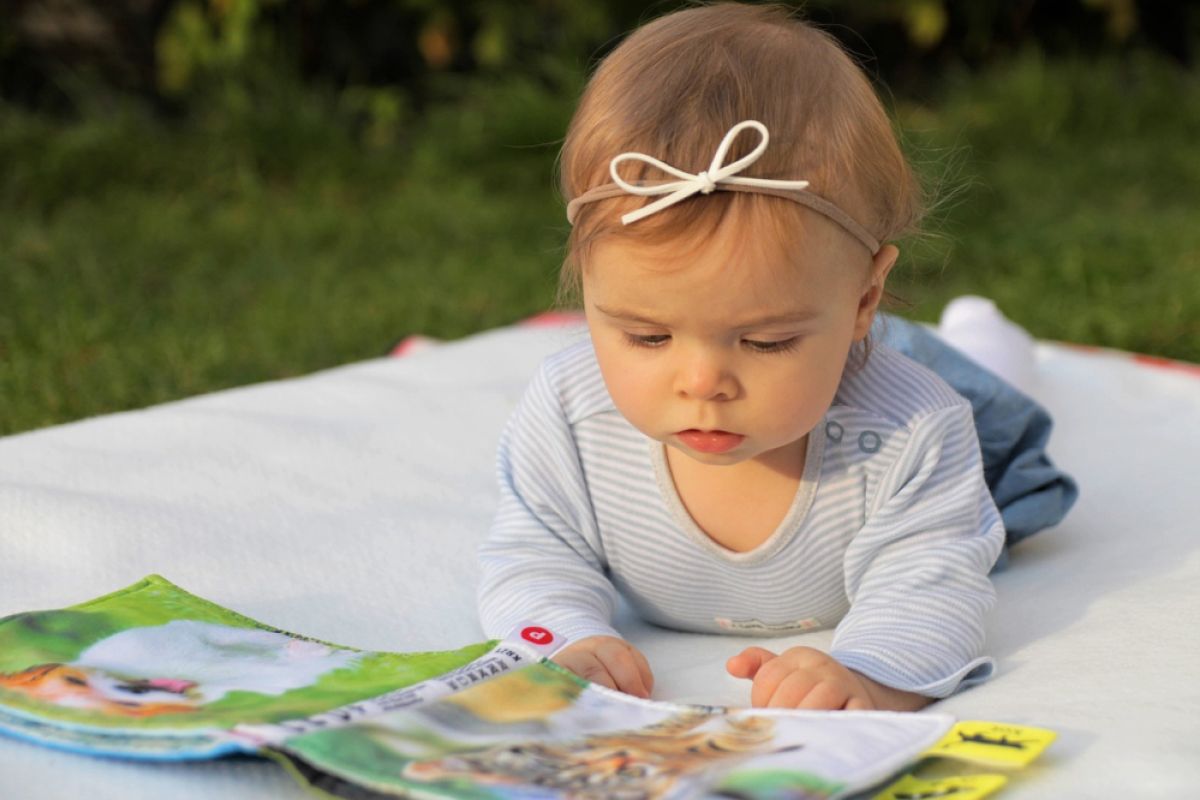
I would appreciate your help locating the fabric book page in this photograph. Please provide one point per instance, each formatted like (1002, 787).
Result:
(152, 671)
(541, 732)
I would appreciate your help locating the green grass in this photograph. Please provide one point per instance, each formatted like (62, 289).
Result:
(142, 261)
(1079, 194)
(142, 264)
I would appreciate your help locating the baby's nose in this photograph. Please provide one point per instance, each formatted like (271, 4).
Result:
(705, 377)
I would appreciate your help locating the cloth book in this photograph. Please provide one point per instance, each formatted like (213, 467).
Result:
(153, 672)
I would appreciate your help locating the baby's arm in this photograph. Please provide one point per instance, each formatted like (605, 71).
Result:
(543, 560)
(917, 573)
(917, 580)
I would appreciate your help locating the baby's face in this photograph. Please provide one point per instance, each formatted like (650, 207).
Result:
(723, 354)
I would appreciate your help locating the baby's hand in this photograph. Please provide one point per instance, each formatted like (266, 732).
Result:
(610, 662)
(802, 677)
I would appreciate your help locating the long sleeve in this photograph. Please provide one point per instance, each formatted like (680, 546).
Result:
(543, 559)
(916, 574)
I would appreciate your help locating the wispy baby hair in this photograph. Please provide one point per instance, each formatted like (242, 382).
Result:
(673, 89)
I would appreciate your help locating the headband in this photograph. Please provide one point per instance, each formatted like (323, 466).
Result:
(717, 176)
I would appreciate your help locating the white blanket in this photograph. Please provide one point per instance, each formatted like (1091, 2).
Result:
(346, 505)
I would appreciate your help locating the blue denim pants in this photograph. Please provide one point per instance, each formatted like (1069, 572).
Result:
(1013, 428)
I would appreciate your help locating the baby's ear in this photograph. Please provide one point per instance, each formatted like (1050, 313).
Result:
(868, 302)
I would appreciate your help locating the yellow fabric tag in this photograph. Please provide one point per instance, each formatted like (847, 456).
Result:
(993, 744)
(959, 787)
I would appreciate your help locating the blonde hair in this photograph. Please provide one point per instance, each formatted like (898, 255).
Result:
(675, 86)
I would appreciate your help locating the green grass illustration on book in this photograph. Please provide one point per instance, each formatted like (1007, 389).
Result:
(153, 672)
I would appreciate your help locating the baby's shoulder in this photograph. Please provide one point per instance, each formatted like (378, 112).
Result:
(571, 377)
(894, 390)
(887, 410)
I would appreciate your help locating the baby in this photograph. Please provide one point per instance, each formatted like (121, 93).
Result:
(729, 449)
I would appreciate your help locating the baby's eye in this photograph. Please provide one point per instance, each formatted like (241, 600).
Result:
(780, 346)
(647, 340)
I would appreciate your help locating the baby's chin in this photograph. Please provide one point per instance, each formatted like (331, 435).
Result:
(784, 457)
(727, 459)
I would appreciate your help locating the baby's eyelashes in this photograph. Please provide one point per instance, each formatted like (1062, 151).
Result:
(777, 346)
(647, 340)
(654, 340)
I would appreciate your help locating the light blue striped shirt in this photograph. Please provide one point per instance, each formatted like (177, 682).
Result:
(890, 536)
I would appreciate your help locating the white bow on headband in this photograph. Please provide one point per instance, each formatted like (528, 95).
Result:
(705, 181)
(717, 176)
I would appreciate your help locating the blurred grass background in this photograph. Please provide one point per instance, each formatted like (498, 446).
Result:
(228, 209)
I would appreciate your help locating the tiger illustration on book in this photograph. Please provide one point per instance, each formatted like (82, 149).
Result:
(625, 765)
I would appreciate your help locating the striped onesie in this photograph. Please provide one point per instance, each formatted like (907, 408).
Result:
(890, 536)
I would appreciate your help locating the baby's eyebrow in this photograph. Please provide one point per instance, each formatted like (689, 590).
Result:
(786, 317)
(797, 315)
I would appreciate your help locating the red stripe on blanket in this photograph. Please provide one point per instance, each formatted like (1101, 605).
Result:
(1167, 363)
(411, 344)
(1157, 362)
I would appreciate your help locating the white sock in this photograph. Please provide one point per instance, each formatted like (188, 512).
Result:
(977, 328)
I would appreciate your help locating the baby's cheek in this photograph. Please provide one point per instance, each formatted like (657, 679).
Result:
(791, 422)
(637, 403)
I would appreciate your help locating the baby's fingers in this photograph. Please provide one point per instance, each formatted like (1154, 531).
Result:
(644, 669)
(747, 663)
(626, 674)
(610, 662)
(588, 666)
(825, 696)
(788, 692)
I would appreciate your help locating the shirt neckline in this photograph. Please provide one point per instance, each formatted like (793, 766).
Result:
(783, 533)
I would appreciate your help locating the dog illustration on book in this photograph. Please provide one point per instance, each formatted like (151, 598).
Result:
(178, 667)
(645, 763)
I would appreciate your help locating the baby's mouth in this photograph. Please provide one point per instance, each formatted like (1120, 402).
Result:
(710, 441)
